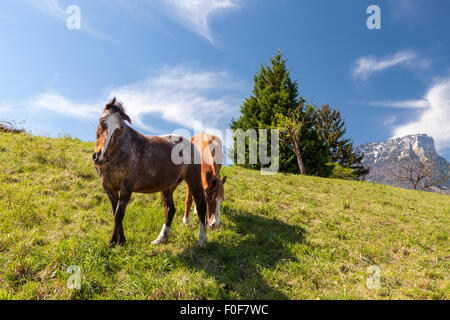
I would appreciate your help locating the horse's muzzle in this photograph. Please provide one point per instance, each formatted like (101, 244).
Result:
(214, 224)
(99, 160)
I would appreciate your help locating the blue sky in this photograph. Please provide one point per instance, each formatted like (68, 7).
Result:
(185, 63)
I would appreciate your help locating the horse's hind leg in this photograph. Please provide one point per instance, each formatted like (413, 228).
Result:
(188, 203)
(169, 212)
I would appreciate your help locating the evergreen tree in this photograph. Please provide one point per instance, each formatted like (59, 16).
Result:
(274, 93)
(331, 129)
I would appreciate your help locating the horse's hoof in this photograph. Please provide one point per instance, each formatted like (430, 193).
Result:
(112, 244)
(160, 241)
(186, 220)
(201, 243)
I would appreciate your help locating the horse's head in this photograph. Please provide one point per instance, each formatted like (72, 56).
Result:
(214, 195)
(111, 124)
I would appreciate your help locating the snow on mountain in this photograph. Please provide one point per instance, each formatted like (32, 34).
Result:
(384, 158)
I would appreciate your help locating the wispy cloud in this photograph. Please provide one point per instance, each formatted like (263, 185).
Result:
(434, 120)
(408, 104)
(180, 95)
(54, 9)
(6, 17)
(197, 14)
(366, 66)
(57, 103)
(50, 7)
(406, 9)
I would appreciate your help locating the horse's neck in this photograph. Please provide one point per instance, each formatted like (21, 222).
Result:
(211, 166)
(133, 134)
(125, 140)
(213, 162)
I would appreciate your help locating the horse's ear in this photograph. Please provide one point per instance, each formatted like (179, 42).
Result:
(208, 176)
(214, 182)
(224, 179)
(111, 103)
(126, 117)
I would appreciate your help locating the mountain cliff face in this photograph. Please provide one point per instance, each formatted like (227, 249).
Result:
(387, 158)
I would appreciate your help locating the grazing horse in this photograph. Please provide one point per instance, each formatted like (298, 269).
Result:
(210, 148)
(128, 162)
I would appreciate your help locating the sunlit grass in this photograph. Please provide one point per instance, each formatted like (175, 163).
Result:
(282, 237)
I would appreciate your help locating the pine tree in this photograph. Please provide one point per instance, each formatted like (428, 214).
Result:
(274, 93)
(331, 129)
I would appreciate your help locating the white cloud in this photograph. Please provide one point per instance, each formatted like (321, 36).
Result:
(50, 7)
(6, 17)
(196, 14)
(366, 66)
(59, 104)
(406, 9)
(179, 95)
(408, 104)
(433, 120)
(53, 8)
(3, 109)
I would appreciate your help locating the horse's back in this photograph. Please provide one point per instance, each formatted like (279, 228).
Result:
(151, 165)
(210, 146)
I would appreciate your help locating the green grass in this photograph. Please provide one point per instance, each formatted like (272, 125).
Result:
(282, 237)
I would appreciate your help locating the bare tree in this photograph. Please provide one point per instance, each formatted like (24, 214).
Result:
(422, 173)
(9, 126)
(291, 127)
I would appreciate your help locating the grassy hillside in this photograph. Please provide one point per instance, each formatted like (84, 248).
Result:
(282, 237)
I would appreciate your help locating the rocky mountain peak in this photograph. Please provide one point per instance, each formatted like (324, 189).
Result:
(384, 158)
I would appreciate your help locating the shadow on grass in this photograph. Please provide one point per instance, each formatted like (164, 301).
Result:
(260, 245)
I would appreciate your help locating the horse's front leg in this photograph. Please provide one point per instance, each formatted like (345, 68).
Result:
(196, 189)
(118, 235)
(114, 198)
(169, 212)
(188, 204)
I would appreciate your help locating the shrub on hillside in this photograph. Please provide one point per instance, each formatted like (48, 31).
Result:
(339, 172)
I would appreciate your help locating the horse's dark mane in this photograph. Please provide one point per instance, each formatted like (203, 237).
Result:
(116, 106)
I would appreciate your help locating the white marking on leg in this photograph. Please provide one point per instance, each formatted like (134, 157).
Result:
(187, 219)
(202, 236)
(163, 236)
(216, 219)
(217, 213)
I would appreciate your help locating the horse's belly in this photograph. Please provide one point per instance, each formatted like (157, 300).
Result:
(151, 182)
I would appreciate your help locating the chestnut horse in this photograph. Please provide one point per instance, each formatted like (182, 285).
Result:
(128, 162)
(210, 148)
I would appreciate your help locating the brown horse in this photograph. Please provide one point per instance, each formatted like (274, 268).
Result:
(128, 162)
(210, 148)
